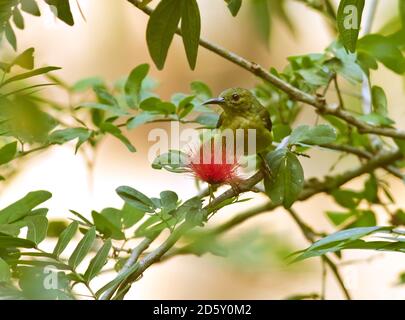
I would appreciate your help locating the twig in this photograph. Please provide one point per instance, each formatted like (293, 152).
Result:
(369, 15)
(311, 189)
(309, 235)
(365, 155)
(323, 279)
(135, 254)
(318, 103)
(156, 254)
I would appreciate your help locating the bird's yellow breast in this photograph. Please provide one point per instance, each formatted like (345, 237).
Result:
(263, 135)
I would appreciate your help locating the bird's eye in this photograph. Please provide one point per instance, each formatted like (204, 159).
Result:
(235, 97)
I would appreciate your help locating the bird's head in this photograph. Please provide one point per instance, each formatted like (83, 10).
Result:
(233, 99)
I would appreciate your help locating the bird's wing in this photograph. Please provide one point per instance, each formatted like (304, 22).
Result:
(220, 120)
(265, 116)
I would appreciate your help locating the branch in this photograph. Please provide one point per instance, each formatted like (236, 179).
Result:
(135, 254)
(155, 255)
(311, 189)
(309, 234)
(294, 93)
(369, 14)
(365, 155)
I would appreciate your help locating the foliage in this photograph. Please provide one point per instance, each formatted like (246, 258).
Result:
(116, 239)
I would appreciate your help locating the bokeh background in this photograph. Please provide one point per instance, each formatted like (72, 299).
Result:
(109, 44)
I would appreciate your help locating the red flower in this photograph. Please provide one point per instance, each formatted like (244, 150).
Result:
(212, 167)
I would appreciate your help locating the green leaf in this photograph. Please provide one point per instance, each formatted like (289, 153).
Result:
(116, 132)
(262, 17)
(367, 62)
(154, 104)
(234, 6)
(383, 50)
(169, 200)
(10, 229)
(349, 21)
(87, 83)
(336, 241)
(190, 30)
(174, 161)
(208, 120)
(113, 109)
(398, 218)
(140, 119)
(105, 226)
(63, 11)
(131, 215)
(5, 273)
(8, 152)
(82, 248)
(148, 227)
(82, 218)
(65, 135)
(161, 28)
(65, 237)
(376, 119)
(357, 218)
(30, 74)
(13, 242)
(31, 7)
(201, 90)
(23, 207)
(346, 63)
(370, 192)
(379, 101)
(280, 131)
(26, 59)
(105, 97)
(185, 106)
(98, 262)
(37, 227)
(193, 211)
(27, 122)
(10, 36)
(346, 198)
(136, 199)
(18, 18)
(134, 83)
(287, 177)
(320, 134)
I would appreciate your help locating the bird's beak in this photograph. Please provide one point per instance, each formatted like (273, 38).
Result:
(219, 101)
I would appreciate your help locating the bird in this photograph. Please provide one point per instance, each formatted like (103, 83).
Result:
(242, 110)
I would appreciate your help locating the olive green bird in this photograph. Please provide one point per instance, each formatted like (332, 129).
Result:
(241, 110)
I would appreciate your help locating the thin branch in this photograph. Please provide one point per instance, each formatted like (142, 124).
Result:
(317, 102)
(365, 155)
(369, 14)
(156, 254)
(309, 235)
(311, 189)
(24, 153)
(314, 188)
(133, 258)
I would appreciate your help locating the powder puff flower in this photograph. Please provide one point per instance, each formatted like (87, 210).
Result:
(213, 164)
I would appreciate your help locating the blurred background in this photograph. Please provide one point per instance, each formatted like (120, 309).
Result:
(109, 43)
